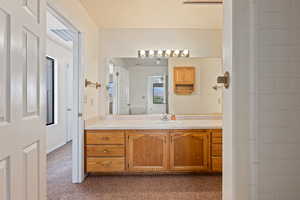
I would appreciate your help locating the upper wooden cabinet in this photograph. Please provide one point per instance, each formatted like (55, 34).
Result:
(147, 150)
(184, 80)
(184, 75)
(190, 150)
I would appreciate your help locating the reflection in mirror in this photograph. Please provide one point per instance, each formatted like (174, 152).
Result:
(138, 86)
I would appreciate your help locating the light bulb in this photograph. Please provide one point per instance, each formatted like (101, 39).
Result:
(176, 53)
(186, 53)
(160, 53)
(142, 53)
(168, 53)
(151, 53)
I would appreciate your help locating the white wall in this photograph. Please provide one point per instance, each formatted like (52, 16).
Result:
(57, 133)
(139, 83)
(126, 43)
(77, 15)
(204, 100)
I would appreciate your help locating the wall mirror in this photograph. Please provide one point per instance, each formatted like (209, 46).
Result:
(138, 86)
(147, 86)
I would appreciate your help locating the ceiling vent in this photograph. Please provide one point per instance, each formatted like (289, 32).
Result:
(203, 2)
(64, 34)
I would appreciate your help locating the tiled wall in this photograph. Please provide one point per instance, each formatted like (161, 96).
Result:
(276, 165)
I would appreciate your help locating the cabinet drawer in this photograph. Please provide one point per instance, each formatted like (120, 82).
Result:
(105, 137)
(217, 164)
(105, 151)
(217, 149)
(105, 164)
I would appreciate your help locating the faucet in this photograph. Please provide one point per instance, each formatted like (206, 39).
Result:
(164, 117)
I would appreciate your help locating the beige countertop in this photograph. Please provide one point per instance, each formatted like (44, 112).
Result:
(152, 124)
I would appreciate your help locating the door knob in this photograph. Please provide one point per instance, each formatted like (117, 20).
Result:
(224, 80)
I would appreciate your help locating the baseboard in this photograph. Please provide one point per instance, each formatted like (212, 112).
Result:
(57, 147)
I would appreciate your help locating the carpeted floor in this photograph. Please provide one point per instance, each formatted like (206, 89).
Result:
(162, 187)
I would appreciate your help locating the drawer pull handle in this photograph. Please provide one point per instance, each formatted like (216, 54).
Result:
(105, 151)
(106, 164)
(105, 138)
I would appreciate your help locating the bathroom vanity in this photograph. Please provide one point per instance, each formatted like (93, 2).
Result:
(135, 146)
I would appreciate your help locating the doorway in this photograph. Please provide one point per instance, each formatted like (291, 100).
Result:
(64, 44)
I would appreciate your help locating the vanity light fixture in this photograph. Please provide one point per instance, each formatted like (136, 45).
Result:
(163, 53)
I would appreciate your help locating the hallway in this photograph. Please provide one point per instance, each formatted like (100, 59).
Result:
(166, 187)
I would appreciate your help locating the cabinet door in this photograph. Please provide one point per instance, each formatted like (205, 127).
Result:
(184, 75)
(147, 150)
(190, 151)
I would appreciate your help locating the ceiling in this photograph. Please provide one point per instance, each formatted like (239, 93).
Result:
(144, 62)
(154, 14)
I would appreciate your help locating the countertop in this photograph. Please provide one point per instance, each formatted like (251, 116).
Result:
(152, 124)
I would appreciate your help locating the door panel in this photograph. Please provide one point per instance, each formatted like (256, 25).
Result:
(32, 8)
(30, 73)
(190, 151)
(22, 102)
(31, 169)
(148, 151)
(4, 69)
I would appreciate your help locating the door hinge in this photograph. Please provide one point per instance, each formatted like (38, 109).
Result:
(80, 115)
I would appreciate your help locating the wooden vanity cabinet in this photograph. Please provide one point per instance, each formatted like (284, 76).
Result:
(121, 151)
(147, 150)
(190, 150)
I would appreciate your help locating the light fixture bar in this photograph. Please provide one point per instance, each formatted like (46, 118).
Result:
(163, 53)
(203, 2)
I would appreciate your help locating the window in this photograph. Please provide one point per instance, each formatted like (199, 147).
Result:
(158, 93)
(50, 91)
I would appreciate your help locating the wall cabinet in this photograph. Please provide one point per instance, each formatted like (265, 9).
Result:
(184, 75)
(153, 151)
(147, 150)
(184, 80)
(190, 150)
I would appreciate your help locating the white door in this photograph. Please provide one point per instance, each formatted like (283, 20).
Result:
(22, 100)
(123, 91)
(228, 185)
